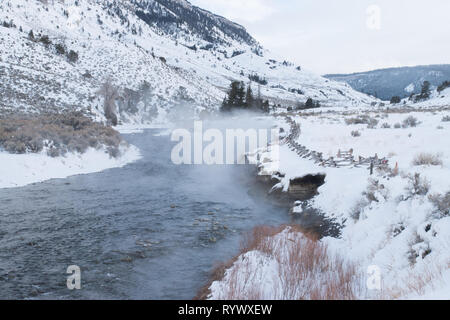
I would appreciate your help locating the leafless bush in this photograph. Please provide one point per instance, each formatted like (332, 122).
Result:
(306, 269)
(58, 133)
(446, 119)
(110, 93)
(386, 125)
(356, 133)
(410, 122)
(427, 159)
(417, 186)
(362, 119)
(415, 283)
(259, 238)
(397, 126)
(376, 191)
(441, 203)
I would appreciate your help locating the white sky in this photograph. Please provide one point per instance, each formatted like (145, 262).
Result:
(332, 36)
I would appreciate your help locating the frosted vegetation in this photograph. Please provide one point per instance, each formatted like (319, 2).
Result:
(57, 134)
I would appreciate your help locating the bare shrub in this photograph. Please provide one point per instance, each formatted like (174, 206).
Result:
(259, 238)
(306, 269)
(362, 119)
(446, 119)
(397, 126)
(58, 133)
(386, 125)
(376, 191)
(356, 133)
(417, 282)
(417, 186)
(110, 93)
(427, 159)
(60, 48)
(441, 203)
(410, 122)
(45, 40)
(372, 123)
(72, 56)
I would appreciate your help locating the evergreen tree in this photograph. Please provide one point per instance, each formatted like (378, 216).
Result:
(233, 94)
(249, 99)
(225, 106)
(265, 107)
(309, 103)
(425, 93)
(444, 85)
(395, 100)
(241, 95)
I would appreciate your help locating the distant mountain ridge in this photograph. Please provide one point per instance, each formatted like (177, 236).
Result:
(402, 82)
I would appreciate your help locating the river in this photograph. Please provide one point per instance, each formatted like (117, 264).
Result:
(149, 230)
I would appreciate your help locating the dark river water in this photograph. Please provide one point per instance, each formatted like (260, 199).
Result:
(149, 230)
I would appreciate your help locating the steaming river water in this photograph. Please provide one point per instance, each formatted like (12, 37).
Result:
(150, 230)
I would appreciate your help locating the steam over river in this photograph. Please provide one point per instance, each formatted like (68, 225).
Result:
(150, 230)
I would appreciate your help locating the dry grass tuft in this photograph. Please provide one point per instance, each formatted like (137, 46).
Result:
(427, 159)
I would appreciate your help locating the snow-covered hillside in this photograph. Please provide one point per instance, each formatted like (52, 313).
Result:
(158, 53)
(437, 99)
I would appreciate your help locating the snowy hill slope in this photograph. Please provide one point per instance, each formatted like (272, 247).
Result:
(437, 99)
(158, 53)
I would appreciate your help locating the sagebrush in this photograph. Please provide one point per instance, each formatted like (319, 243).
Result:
(57, 134)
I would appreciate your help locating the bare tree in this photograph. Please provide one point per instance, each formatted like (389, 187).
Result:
(110, 93)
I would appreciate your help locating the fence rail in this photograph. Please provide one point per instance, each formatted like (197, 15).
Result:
(342, 159)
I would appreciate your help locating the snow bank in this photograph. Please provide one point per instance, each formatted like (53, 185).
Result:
(18, 170)
(385, 223)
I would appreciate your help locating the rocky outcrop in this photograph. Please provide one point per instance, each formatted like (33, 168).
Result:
(306, 187)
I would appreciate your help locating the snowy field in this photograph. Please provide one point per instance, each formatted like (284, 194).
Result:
(396, 219)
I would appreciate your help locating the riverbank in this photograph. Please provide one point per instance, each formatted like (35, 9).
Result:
(395, 221)
(17, 170)
(35, 148)
(149, 230)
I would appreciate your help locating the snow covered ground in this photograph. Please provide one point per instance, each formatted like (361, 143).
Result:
(397, 219)
(18, 170)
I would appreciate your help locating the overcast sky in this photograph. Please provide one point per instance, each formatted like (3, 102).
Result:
(343, 36)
